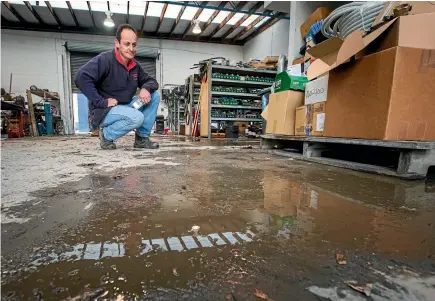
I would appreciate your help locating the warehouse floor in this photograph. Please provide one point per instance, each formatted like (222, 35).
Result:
(76, 219)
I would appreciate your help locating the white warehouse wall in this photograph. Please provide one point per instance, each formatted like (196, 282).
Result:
(31, 60)
(271, 42)
(178, 57)
(31, 57)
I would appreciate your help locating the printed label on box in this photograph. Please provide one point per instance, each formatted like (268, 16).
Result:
(316, 90)
(320, 122)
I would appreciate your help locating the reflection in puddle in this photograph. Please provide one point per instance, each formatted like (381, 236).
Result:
(93, 251)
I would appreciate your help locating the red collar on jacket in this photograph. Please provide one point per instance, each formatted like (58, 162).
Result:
(131, 64)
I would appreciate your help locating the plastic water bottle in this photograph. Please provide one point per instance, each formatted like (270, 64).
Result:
(137, 104)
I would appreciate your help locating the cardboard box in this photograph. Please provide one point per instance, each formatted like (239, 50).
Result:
(300, 69)
(242, 126)
(334, 52)
(389, 94)
(280, 112)
(310, 120)
(270, 60)
(300, 120)
(316, 90)
(298, 61)
(319, 14)
(263, 66)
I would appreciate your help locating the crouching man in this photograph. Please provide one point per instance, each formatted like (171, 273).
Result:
(109, 81)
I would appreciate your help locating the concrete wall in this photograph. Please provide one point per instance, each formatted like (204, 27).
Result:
(272, 41)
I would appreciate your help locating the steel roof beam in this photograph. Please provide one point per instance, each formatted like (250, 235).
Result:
(180, 13)
(91, 13)
(14, 12)
(33, 11)
(162, 16)
(215, 13)
(144, 16)
(128, 12)
(240, 22)
(284, 16)
(227, 18)
(72, 14)
(53, 13)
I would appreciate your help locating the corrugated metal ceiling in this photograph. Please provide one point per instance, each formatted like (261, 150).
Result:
(87, 17)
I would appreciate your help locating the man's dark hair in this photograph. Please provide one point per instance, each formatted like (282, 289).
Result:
(121, 28)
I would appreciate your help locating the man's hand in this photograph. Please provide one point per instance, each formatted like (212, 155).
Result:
(145, 96)
(111, 102)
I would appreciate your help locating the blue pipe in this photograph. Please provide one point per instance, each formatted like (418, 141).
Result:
(224, 9)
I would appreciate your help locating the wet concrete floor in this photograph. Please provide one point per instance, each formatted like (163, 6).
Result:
(83, 224)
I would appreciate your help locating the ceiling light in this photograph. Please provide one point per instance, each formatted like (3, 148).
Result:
(109, 22)
(196, 29)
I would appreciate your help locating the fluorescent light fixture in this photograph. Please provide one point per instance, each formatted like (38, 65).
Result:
(109, 22)
(196, 29)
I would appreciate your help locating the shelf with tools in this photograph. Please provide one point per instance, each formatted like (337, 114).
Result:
(236, 107)
(246, 83)
(174, 96)
(229, 98)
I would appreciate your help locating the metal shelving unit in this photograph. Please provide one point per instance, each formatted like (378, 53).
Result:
(207, 105)
(235, 107)
(244, 95)
(234, 119)
(245, 71)
(191, 102)
(239, 83)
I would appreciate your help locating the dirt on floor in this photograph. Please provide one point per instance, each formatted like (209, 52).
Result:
(206, 221)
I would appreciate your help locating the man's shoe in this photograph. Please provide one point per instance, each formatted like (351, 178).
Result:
(144, 142)
(104, 143)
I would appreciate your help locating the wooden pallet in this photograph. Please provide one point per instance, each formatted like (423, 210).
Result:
(403, 159)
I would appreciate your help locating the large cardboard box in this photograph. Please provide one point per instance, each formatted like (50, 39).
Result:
(389, 92)
(242, 126)
(310, 120)
(316, 90)
(388, 95)
(280, 112)
(319, 14)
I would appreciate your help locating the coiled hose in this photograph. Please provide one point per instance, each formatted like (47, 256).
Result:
(351, 17)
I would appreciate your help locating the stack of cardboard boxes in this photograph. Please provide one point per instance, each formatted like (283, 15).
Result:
(377, 86)
(268, 63)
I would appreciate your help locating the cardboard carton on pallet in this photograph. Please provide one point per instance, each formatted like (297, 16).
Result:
(388, 92)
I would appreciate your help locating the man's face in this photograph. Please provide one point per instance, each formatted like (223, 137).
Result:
(127, 46)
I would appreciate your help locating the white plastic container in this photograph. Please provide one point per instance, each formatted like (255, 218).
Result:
(137, 104)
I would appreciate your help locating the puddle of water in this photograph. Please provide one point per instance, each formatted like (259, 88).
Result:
(273, 227)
